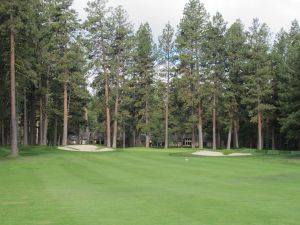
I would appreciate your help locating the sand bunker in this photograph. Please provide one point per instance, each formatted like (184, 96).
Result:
(84, 148)
(218, 154)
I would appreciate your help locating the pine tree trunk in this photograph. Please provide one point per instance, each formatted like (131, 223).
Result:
(218, 136)
(45, 116)
(86, 124)
(78, 132)
(114, 145)
(41, 121)
(167, 122)
(7, 132)
(2, 134)
(14, 138)
(214, 122)
(193, 129)
(65, 128)
(3, 89)
(32, 117)
(259, 130)
(147, 125)
(108, 142)
(147, 140)
(86, 119)
(273, 138)
(267, 141)
(200, 128)
(218, 128)
(134, 138)
(167, 112)
(235, 133)
(55, 132)
(124, 137)
(25, 136)
(229, 135)
(45, 128)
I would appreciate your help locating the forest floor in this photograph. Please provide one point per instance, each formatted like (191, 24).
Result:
(138, 186)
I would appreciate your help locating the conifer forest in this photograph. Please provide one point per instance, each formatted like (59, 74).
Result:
(203, 84)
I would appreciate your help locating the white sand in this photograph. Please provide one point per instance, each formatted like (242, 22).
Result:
(239, 154)
(218, 154)
(84, 148)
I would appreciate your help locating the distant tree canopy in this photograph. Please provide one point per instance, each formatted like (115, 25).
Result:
(206, 84)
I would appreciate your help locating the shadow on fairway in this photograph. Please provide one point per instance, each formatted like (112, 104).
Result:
(28, 151)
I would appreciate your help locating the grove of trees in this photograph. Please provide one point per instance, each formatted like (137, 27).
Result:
(216, 84)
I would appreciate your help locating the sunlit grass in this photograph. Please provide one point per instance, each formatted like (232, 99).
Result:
(139, 186)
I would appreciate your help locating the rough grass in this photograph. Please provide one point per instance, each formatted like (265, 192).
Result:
(147, 187)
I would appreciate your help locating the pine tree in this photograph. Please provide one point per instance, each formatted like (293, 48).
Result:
(144, 72)
(235, 57)
(166, 61)
(215, 60)
(99, 38)
(120, 65)
(64, 24)
(278, 70)
(289, 89)
(189, 43)
(15, 13)
(258, 79)
(14, 140)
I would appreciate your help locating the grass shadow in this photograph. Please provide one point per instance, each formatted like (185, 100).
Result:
(28, 150)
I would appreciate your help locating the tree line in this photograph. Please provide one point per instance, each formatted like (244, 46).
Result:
(209, 82)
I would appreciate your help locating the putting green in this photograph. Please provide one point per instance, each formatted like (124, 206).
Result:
(141, 187)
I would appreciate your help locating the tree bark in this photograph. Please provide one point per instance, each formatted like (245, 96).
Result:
(218, 136)
(2, 135)
(65, 128)
(45, 128)
(134, 138)
(41, 121)
(167, 122)
(25, 127)
(14, 138)
(59, 140)
(273, 138)
(259, 130)
(45, 116)
(267, 141)
(55, 132)
(147, 140)
(147, 124)
(193, 129)
(32, 117)
(229, 135)
(108, 143)
(115, 134)
(200, 124)
(235, 132)
(7, 135)
(167, 110)
(214, 122)
(3, 89)
(124, 137)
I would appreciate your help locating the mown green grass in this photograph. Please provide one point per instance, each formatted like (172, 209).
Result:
(142, 187)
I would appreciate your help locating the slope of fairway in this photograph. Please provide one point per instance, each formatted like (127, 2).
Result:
(135, 187)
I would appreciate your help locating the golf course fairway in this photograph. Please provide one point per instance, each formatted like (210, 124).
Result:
(147, 187)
